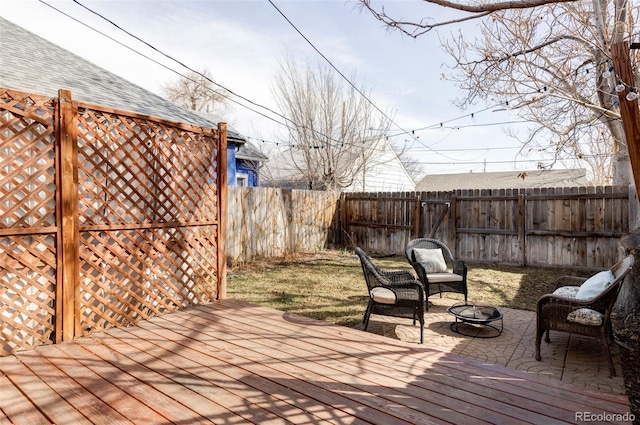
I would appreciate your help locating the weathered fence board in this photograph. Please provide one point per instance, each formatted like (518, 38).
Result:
(271, 222)
(573, 227)
(581, 230)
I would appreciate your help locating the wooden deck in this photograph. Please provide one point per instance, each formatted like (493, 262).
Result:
(233, 363)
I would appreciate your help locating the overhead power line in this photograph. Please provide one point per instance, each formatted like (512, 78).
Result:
(412, 132)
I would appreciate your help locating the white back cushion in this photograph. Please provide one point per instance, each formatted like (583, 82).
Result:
(431, 259)
(595, 285)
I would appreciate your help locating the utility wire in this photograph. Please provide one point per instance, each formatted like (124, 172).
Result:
(154, 60)
(329, 138)
(342, 75)
(433, 126)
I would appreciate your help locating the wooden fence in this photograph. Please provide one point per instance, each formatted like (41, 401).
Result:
(563, 227)
(106, 218)
(271, 222)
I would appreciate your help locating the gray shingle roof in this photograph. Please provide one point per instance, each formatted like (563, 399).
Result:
(503, 180)
(249, 152)
(32, 64)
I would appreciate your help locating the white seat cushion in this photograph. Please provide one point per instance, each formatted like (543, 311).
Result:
(383, 295)
(567, 291)
(443, 277)
(586, 316)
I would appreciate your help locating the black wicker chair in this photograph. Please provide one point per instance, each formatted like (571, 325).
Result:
(562, 311)
(453, 279)
(392, 293)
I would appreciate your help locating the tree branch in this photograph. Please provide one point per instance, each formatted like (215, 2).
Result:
(477, 11)
(493, 7)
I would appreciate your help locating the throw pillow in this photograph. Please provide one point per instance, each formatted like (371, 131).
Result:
(567, 291)
(595, 285)
(431, 259)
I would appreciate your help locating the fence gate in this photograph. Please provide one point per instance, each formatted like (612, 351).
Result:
(106, 218)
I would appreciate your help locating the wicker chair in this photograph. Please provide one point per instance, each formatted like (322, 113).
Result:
(392, 293)
(453, 279)
(564, 312)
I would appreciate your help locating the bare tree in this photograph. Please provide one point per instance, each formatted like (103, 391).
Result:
(414, 168)
(549, 65)
(197, 92)
(334, 133)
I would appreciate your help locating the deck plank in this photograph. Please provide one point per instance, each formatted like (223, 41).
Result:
(16, 408)
(232, 362)
(51, 404)
(552, 397)
(278, 371)
(361, 378)
(211, 386)
(71, 391)
(254, 389)
(524, 402)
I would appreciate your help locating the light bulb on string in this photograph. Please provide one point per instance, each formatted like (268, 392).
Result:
(620, 87)
(632, 95)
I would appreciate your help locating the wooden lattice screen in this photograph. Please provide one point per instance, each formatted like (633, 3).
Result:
(28, 231)
(107, 218)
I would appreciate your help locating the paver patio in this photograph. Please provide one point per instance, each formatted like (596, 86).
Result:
(568, 358)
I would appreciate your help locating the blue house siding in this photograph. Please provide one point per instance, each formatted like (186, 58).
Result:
(248, 168)
(231, 164)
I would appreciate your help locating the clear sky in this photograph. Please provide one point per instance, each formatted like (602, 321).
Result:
(241, 41)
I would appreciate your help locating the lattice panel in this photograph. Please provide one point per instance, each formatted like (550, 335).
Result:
(27, 291)
(27, 155)
(137, 171)
(127, 276)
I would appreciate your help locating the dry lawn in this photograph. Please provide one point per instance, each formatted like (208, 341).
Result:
(329, 285)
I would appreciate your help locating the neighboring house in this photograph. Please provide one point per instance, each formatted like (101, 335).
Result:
(32, 64)
(384, 172)
(248, 161)
(503, 180)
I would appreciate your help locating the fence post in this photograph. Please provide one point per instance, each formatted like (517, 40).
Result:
(418, 216)
(522, 234)
(453, 223)
(67, 292)
(221, 171)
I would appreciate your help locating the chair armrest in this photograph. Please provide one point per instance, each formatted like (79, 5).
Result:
(568, 302)
(569, 281)
(459, 267)
(414, 285)
(400, 275)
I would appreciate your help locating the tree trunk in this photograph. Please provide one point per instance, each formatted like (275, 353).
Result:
(621, 168)
(626, 323)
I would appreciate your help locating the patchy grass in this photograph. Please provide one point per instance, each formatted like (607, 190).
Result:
(330, 286)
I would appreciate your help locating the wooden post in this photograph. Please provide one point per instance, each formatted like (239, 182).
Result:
(522, 223)
(628, 108)
(418, 216)
(453, 223)
(67, 199)
(222, 210)
(342, 228)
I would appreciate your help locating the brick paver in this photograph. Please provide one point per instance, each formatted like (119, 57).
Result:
(568, 358)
